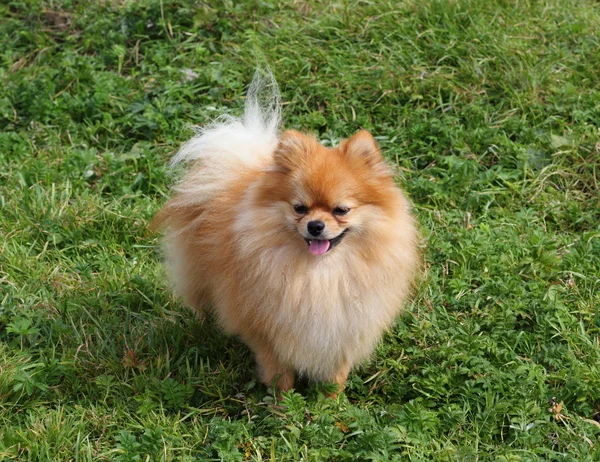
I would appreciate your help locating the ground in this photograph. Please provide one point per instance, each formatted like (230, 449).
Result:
(488, 110)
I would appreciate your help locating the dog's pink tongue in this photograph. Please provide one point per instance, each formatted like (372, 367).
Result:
(318, 247)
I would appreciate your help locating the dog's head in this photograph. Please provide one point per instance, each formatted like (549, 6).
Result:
(329, 198)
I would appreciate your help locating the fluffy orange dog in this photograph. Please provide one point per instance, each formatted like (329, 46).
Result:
(307, 253)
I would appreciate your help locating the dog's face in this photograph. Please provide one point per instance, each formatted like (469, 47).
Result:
(323, 209)
(328, 198)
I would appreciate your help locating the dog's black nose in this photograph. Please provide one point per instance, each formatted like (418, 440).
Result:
(315, 227)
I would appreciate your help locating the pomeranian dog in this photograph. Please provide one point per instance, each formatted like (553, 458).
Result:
(306, 253)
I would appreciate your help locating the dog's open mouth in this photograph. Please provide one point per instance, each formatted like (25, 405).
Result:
(321, 246)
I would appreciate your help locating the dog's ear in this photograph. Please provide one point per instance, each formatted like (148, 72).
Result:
(292, 149)
(363, 146)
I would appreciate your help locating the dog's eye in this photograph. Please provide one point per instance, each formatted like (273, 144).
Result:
(340, 211)
(301, 209)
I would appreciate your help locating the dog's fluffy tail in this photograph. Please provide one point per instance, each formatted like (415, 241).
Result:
(247, 141)
(221, 152)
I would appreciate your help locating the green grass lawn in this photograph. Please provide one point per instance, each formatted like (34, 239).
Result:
(490, 111)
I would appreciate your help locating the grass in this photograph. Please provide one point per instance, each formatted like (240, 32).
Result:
(489, 110)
